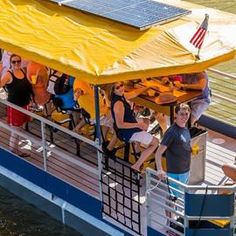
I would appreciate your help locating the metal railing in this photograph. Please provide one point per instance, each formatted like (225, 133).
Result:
(167, 216)
(60, 158)
(223, 87)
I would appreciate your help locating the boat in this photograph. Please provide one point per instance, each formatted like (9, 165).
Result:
(67, 174)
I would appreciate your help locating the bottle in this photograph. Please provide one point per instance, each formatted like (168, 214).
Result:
(171, 87)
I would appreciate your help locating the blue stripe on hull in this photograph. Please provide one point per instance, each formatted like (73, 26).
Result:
(152, 232)
(50, 183)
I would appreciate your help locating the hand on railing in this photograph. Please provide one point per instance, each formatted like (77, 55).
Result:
(161, 174)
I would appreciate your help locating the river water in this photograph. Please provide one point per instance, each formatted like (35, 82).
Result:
(17, 218)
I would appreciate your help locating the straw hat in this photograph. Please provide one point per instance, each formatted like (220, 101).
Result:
(165, 98)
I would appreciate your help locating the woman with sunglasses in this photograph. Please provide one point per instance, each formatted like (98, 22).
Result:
(19, 91)
(128, 128)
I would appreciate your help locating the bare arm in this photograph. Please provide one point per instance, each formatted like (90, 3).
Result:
(135, 93)
(119, 111)
(202, 82)
(161, 149)
(6, 78)
(162, 120)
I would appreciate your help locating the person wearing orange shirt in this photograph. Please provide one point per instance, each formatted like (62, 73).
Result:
(38, 75)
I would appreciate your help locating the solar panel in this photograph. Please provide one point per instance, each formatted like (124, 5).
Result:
(141, 14)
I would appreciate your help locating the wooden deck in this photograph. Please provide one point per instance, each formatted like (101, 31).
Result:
(220, 150)
(63, 166)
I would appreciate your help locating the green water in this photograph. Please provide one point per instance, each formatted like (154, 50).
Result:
(224, 5)
(18, 218)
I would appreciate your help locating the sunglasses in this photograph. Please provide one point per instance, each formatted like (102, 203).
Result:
(17, 61)
(119, 86)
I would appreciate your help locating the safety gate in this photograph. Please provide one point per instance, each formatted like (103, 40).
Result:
(121, 194)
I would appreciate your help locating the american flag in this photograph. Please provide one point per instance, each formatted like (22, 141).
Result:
(198, 37)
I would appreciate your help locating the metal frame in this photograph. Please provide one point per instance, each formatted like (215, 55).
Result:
(47, 146)
(157, 195)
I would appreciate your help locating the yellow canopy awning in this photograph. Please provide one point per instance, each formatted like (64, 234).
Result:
(102, 51)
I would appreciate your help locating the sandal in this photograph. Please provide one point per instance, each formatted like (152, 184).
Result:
(23, 154)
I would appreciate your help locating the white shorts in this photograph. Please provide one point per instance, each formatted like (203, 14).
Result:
(104, 121)
(142, 137)
(198, 106)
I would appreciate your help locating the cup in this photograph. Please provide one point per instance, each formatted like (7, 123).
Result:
(195, 149)
(33, 79)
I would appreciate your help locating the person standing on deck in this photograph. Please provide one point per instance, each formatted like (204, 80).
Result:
(176, 143)
(6, 62)
(19, 91)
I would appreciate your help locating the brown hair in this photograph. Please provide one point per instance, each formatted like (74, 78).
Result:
(13, 55)
(113, 89)
(183, 106)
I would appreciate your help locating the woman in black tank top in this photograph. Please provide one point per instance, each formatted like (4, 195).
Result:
(19, 92)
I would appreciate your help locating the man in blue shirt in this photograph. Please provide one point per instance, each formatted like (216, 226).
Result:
(176, 144)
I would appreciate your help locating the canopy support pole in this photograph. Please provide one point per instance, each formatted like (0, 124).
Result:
(98, 140)
(97, 112)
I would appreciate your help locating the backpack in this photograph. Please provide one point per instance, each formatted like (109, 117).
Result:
(58, 83)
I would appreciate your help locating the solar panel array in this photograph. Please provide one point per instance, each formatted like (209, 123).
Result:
(141, 14)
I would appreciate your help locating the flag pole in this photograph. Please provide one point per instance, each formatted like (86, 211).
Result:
(199, 36)
(198, 54)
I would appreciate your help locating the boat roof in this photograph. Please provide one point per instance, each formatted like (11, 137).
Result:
(102, 51)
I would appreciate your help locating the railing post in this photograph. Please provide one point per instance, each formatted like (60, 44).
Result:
(148, 183)
(100, 167)
(44, 145)
(98, 140)
(97, 110)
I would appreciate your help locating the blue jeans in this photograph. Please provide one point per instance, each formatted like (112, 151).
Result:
(183, 178)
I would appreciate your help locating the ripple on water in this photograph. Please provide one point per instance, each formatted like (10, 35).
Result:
(18, 218)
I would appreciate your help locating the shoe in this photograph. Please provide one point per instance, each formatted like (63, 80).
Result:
(104, 145)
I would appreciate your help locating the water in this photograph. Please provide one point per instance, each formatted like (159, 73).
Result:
(18, 218)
